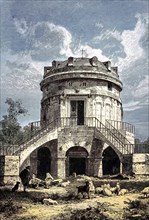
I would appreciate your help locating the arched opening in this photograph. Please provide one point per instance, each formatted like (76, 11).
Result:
(76, 161)
(110, 162)
(43, 162)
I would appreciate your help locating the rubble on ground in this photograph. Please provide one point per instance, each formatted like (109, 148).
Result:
(48, 201)
(145, 191)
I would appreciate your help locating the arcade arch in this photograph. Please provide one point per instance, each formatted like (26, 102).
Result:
(43, 162)
(76, 161)
(110, 162)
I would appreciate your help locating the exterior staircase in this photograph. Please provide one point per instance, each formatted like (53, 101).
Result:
(107, 132)
(113, 137)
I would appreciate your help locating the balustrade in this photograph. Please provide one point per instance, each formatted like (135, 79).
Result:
(108, 131)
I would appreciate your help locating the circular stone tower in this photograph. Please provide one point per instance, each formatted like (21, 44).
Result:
(79, 88)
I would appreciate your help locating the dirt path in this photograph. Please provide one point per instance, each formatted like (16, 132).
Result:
(114, 207)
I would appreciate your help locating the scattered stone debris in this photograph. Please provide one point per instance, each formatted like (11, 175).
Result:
(123, 192)
(145, 191)
(64, 183)
(107, 190)
(36, 182)
(48, 180)
(49, 201)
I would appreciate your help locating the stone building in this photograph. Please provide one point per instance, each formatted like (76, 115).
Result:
(81, 98)
(81, 129)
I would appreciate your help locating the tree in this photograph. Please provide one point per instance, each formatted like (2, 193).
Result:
(11, 132)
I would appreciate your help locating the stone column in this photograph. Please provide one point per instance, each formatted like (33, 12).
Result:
(61, 169)
(98, 166)
(90, 166)
(121, 167)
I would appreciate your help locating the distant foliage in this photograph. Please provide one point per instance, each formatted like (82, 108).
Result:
(11, 132)
(141, 147)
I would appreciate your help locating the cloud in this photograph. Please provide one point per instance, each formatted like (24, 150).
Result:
(142, 88)
(79, 5)
(131, 43)
(107, 34)
(99, 25)
(45, 40)
(131, 106)
(21, 26)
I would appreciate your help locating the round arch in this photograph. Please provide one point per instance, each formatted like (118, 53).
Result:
(43, 162)
(76, 161)
(110, 162)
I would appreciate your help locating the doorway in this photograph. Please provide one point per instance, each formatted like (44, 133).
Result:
(77, 111)
(77, 165)
(76, 161)
(43, 162)
(110, 162)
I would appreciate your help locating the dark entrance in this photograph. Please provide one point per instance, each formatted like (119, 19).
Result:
(44, 162)
(77, 165)
(77, 111)
(76, 161)
(110, 162)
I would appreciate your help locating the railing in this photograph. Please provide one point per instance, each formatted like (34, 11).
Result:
(118, 134)
(114, 140)
(8, 150)
(38, 135)
(111, 134)
(73, 122)
(124, 126)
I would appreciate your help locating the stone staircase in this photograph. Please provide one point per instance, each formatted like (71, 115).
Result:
(107, 133)
(113, 137)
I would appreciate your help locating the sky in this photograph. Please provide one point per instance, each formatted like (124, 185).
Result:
(35, 32)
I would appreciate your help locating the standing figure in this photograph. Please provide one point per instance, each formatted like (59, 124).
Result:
(25, 176)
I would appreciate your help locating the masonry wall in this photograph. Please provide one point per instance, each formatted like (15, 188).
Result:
(100, 101)
(9, 169)
(141, 164)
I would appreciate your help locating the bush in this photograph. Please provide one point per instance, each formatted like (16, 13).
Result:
(9, 208)
(137, 210)
(87, 214)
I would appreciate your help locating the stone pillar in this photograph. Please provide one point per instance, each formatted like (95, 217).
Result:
(90, 167)
(9, 169)
(98, 166)
(33, 162)
(61, 170)
(121, 167)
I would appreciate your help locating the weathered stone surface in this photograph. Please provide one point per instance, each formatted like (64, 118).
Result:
(9, 169)
(49, 202)
(78, 95)
(145, 191)
(141, 164)
(107, 192)
(64, 184)
(123, 192)
(99, 190)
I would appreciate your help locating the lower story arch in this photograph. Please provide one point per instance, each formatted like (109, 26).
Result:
(43, 162)
(76, 161)
(110, 162)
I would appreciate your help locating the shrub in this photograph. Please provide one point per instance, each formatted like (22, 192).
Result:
(137, 210)
(9, 208)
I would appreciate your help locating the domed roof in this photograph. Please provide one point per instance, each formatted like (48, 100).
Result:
(72, 64)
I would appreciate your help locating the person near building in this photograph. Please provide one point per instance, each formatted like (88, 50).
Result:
(25, 177)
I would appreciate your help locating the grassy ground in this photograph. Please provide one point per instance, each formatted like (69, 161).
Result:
(28, 205)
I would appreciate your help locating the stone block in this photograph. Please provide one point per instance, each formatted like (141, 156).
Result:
(139, 158)
(9, 169)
